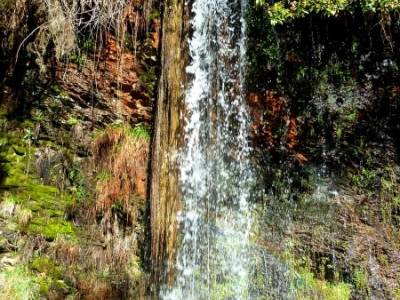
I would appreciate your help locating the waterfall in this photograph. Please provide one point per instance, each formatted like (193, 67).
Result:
(215, 171)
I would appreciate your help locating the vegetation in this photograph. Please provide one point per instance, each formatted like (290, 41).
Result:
(19, 283)
(347, 185)
(41, 207)
(283, 11)
(46, 213)
(309, 287)
(120, 155)
(73, 205)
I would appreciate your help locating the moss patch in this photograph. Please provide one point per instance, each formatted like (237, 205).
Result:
(46, 203)
(309, 287)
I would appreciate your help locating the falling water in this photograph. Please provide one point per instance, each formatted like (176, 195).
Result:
(215, 171)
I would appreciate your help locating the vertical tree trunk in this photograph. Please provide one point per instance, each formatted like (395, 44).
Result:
(164, 191)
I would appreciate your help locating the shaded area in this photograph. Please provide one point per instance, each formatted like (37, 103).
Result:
(325, 100)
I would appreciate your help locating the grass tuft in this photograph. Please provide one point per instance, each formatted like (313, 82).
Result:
(19, 284)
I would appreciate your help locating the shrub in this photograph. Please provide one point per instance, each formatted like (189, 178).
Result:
(282, 11)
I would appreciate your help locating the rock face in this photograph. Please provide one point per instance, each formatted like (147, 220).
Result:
(324, 98)
(164, 193)
(108, 85)
(74, 150)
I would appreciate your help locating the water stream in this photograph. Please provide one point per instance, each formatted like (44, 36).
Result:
(215, 170)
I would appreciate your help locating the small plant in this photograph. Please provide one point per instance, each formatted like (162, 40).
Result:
(87, 44)
(73, 121)
(24, 217)
(78, 59)
(154, 15)
(360, 279)
(134, 269)
(77, 179)
(28, 135)
(365, 180)
(140, 131)
(103, 175)
(149, 79)
(313, 288)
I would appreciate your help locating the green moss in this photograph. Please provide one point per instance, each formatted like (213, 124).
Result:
(51, 228)
(50, 276)
(306, 284)
(42, 206)
(46, 266)
(40, 210)
(310, 287)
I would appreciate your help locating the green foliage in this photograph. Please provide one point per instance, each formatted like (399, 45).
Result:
(154, 15)
(55, 89)
(50, 276)
(140, 131)
(365, 179)
(42, 207)
(78, 181)
(149, 79)
(72, 121)
(360, 280)
(307, 286)
(77, 58)
(104, 175)
(46, 266)
(33, 281)
(134, 269)
(87, 44)
(19, 284)
(313, 288)
(279, 13)
(282, 11)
